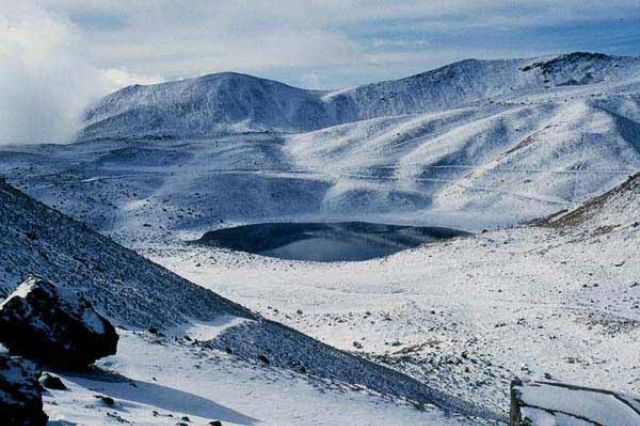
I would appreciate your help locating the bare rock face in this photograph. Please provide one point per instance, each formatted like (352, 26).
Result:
(561, 404)
(55, 326)
(20, 393)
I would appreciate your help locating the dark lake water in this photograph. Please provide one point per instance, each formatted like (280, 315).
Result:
(325, 242)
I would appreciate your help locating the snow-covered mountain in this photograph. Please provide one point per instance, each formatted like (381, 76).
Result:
(230, 102)
(204, 106)
(474, 145)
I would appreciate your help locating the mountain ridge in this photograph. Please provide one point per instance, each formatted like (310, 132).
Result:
(231, 102)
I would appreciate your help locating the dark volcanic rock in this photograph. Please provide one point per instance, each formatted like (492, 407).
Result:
(20, 393)
(55, 326)
(52, 382)
(106, 400)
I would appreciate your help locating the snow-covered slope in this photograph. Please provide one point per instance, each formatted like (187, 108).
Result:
(470, 168)
(616, 208)
(521, 158)
(128, 288)
(536, 302)
(231, 102)
(474, 80)
(136, 293)
(157, 381)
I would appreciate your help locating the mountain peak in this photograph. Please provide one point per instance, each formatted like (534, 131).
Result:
(231, 102)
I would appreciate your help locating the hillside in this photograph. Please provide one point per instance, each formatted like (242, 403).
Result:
(470, 168)
(558, 302)
(136, 293)
(615, 208)
(205, 106)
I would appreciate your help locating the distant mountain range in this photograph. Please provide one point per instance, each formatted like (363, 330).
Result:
(231, 102)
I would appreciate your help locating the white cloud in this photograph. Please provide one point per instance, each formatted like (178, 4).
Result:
(45, 79)
(179, 39)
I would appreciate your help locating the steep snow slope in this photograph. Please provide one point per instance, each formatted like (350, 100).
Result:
(231, 103)
(137, 293)
(128, 288)
(157, 381)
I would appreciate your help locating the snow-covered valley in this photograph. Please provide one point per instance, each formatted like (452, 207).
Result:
(490, 163)
(489, 147)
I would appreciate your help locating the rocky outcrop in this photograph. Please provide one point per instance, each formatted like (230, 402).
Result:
(54, 325)
(552, 403)
(50, 381)
(20, 393)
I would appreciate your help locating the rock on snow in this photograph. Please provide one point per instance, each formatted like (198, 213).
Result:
(54, 325)
(20, 393)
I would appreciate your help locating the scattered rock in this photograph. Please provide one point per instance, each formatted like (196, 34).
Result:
(56, 326)
(106, 400)
(215, 423)
(264, 359)
(155, 331)
(52, 382)
(20, 393)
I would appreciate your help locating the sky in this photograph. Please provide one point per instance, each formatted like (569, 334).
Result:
(58, 56)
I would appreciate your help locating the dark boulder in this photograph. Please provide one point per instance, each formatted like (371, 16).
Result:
(54, 325)
(20, 393)
(106, 400)
(52, 382)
